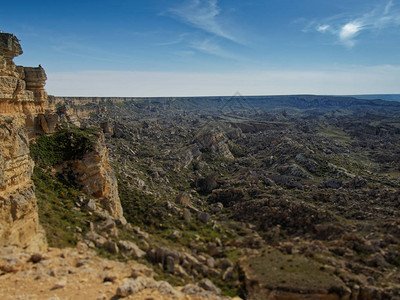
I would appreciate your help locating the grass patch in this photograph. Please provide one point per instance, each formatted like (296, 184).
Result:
(293, 273)
(335, 134)
(140, 208)
(56, 202)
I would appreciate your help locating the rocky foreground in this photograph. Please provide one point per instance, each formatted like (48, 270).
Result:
(79, 273)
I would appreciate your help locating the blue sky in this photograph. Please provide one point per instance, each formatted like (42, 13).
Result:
(210, 47)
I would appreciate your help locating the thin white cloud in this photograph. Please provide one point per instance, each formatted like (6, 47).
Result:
(176, 41)
(323, 28)
(344, 81)
(203, 14)
(210, 47)
(348, 32)
(388, 7)
(346, 28)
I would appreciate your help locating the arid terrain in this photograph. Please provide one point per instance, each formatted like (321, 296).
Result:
(267, 197)
(305, 188)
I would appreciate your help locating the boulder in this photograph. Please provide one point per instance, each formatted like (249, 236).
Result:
(36, 257)
(203, 217)
(187, 215)
(228, 275)
(331, 183)
(132, 286)
(91, 205)
(97, 239)
(208, 285)
(131, 248)
(111, 246)
(170, 264)
(141, 270)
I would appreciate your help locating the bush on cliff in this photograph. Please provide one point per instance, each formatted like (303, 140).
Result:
(66, 144)
(57, 195)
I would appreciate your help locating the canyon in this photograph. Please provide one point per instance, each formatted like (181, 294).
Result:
(28, 116)
(263, 197)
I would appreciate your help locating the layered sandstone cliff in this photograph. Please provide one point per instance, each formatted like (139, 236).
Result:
(98, 179)
(19, 111)
(25, 113)
(95, 177)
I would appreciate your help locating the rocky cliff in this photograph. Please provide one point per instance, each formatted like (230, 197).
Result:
(26, 113)
(22, 92)
(95, 177)
(22, 100)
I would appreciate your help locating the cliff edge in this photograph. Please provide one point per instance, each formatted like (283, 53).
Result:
(26, 113)
(22, 100)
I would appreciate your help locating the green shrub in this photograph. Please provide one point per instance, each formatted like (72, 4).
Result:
(64, 145)
(55, 194)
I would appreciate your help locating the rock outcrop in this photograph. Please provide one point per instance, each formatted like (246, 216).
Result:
(18, 211)
(35, 79)
(22, 90)
(96, 178)
(19, 111)
(214, 141)
(25, 112)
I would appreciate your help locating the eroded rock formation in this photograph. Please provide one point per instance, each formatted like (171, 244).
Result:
(35, 79)
(26, 112)
(19, 109)
(96, 178)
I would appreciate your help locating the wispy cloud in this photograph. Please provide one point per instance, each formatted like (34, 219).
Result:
(210, 47)
(346, 28)
(175, 41)
(203, 14)
(207, 16)
(323, 28)
(348, 32)
(388, 7)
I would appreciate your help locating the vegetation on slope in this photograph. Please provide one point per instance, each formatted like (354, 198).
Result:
(57, 196)
(64, 145)
(56, 199)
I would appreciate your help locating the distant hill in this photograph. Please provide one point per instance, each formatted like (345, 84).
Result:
(388, 97)
(239, 102)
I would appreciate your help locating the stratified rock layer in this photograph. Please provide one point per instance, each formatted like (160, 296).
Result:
(19, 109)
(96, 178)
(35, 79)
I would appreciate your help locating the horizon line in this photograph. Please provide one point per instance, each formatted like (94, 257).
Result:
(234, 95)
